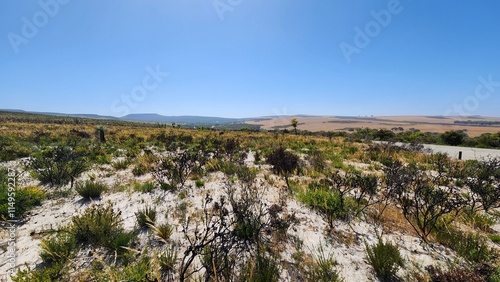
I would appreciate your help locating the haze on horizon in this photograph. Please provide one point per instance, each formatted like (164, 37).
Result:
(242, 58)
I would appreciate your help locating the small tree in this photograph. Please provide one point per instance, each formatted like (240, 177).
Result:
(284, 163)
(454, 137)
(295, 122)
(483, 180)
(58, 166)
(175, 169)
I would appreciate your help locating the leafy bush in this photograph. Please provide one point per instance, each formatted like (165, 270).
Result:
(99, 225)
(385, 259)
(22, 199)
(175, 169)
(90, 189)
(58, 248)
(146, 217)
(327, 202)
(54, 272)
(57, 166)
(13, 149)
(284, 163)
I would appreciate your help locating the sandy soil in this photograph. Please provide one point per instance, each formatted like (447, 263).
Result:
(310, 230)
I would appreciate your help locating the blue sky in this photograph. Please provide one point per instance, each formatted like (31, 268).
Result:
(245, 58)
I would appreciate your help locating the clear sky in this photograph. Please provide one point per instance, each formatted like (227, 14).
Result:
(246, 58)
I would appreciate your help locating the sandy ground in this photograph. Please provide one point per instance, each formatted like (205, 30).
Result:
(422, 123)
(310, 230)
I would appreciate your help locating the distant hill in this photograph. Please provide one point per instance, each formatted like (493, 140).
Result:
(179, 119)
(150, 117)
(94, 116)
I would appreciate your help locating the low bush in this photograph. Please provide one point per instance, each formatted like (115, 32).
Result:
(55, 272)
(21, 199)
(385, 259)
(284, 163)
(262, 269)
(480, 273)
(168, 260)
(90, 189)
(121, 164)
(57, 166)
(58, 248)
(328, 202)
(471, 246)
(322, 269)
(146, 217)
(162, 231)
(146, 187)
(99, 225)
(139, 170)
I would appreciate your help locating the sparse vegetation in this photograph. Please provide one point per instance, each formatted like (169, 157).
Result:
(340, 189)
(90, 189)
(385, 259)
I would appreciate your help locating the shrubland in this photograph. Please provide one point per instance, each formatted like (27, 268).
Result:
(227, 205)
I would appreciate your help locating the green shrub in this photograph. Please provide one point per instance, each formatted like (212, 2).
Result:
(121, 164)
(146, 187)
(284, 163)
(13, 149)
(471, 246)
(481, 221)
(483, 272)
(139, 170)
(22, 199)
(322, 269)
(99, 225)
(146, 217)
(263, 269)
(385, 259)
(51, 273)
(327, 202)
(58, 248)
(122, 240)
(199, 183)
(168, 260)
(162, 231)
(57, 166)
(495, 238)
(90, 189)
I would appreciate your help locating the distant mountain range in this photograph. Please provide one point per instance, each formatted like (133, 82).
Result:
(146, 117)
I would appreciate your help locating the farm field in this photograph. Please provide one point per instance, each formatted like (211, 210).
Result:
(422, 123)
